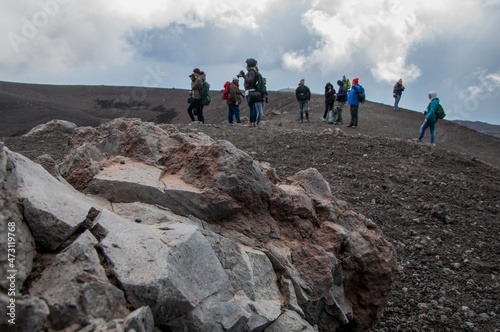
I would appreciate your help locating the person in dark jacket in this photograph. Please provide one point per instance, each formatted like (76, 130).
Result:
(249, 84)
(196, 86)
(329, 99)
(260, 105)
(303, 95)
(341, 99)
(397, 91)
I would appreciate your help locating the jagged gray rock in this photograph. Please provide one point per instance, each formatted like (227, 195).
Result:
(171, 269)
(52, 126)
(291, 321)
(75, 285)
(198, 234)
(52, 210)
(17, 240)
(140, 320)
(31, 313)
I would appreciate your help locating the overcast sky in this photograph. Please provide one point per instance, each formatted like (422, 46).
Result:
(450, 46)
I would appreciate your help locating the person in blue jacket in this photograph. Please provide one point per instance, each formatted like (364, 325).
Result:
(430, 117)
(354, 102)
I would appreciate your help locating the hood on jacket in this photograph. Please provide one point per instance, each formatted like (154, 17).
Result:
(340, 83)
(433, 94)
(251, 63)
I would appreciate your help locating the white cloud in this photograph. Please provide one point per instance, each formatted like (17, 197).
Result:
(57, 35)
(192, 13)
(294, 60)
(378, 35)
(485, 85)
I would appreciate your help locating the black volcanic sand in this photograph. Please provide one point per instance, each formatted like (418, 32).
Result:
(448, 269)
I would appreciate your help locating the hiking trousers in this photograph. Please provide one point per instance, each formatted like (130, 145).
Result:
(354, 115)
(303, 104)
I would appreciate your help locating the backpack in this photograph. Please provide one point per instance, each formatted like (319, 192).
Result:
(205, 97)
(440, 112)
(361, 95)
(225, 94)
(259, 85)
(331, 116)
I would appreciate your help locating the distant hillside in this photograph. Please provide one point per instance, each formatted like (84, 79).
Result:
(287, 90)
(24, 106)
(484, 128)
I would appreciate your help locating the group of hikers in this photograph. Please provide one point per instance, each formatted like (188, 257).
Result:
(354, 96)
(255, 93)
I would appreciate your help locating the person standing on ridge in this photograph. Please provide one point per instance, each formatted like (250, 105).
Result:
(250, 84)
(260, 106)
(346, 82)
(354, 102)
(397, 91)
(329, 99)
(303, 95)
(341, 99)
(430, 117)
(196, 86)
(234, 101)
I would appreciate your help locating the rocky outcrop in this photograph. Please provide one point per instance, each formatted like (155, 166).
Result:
(191, 234)
(54, 126)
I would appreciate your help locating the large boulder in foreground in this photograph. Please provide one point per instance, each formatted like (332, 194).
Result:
(198, 236)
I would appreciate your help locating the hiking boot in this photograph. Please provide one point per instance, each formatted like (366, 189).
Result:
(353, 127)
(349, 126)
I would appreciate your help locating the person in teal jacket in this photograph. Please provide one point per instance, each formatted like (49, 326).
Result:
(430, 117)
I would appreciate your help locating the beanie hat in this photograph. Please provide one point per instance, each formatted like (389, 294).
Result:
(433, 94)
(251, 62)
(236, 78)
(340, 83)
(355, 81)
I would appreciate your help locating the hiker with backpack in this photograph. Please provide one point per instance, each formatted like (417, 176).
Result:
(195, 107)
(397, 90)
(251, 94)
(329, 101)
(433, 112)
(356, 96)
(345, 80)
(303, 95)
(233, 96)
(341, 99)
(263, 91)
